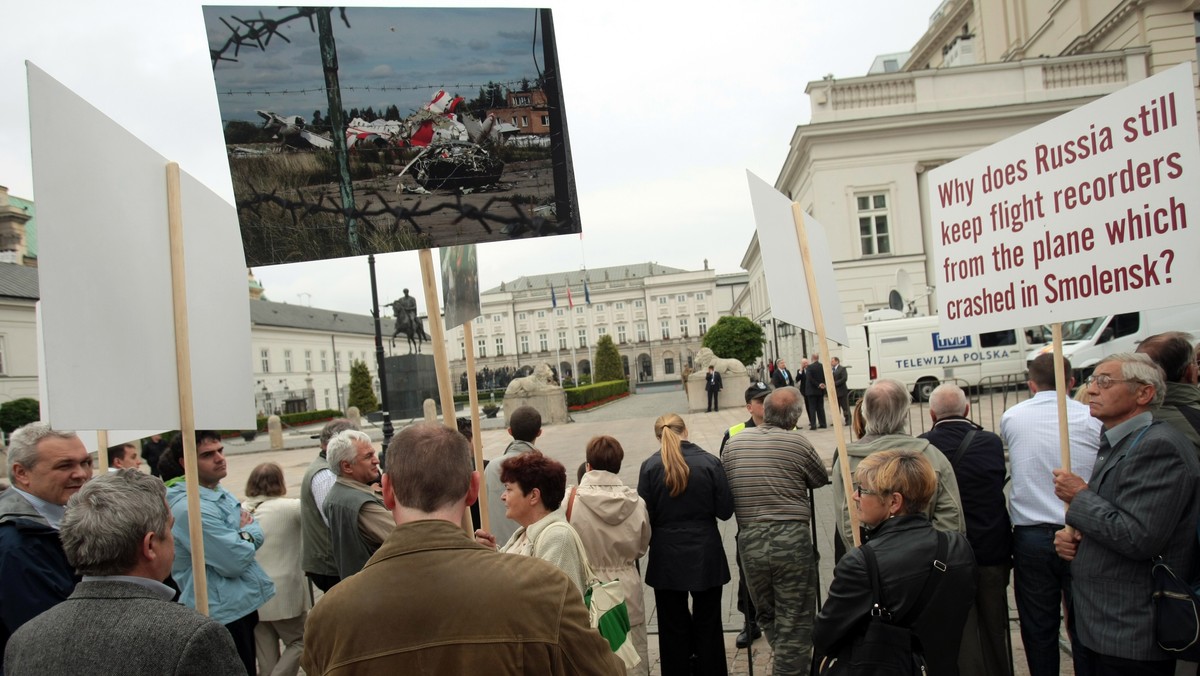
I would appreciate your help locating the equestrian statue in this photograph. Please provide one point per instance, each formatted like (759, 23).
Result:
(408, 323)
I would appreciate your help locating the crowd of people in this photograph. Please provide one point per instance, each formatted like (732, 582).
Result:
(368, 571)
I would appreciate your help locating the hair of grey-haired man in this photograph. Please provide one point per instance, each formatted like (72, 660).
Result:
(1138, 368)
(782, 407)
(342, 449)
(885, 407)
(106, 522)
(22, 445)
(333, 428)
(948, 400)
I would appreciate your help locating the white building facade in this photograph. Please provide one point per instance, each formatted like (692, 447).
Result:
(656, 316)
(984, 71)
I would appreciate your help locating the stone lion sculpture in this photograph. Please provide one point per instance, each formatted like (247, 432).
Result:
(726, 367)
(540, 381)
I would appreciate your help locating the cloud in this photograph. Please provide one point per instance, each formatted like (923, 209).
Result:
(380, 72)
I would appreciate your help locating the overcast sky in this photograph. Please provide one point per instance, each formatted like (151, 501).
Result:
(667, 108)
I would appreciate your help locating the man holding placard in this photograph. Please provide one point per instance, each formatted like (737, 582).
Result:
(1141, 502)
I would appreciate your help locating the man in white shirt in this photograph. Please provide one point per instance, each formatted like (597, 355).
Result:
(1041, 580)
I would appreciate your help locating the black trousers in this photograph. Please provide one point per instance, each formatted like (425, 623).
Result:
(816, 405)
(323, 582)
(682, 634)
(712, 400)
(242, 631)
(1091, 663)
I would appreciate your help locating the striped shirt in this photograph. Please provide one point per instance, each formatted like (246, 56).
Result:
(770, 471)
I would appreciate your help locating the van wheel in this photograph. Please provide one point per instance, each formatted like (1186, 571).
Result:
(924, 389)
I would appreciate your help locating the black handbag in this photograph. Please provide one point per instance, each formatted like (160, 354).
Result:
(887, 647)
(1176, 613)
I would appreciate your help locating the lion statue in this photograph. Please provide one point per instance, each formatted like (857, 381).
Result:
(726, 367)
(541, 380)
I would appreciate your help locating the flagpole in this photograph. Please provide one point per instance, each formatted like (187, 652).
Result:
(570, 329)
(591, 340)
(554, 323)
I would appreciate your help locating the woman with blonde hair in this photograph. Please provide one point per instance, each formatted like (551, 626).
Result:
(891, 492)
(686, 491)
(282, 618)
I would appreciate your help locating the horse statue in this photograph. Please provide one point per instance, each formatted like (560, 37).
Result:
(405, 309)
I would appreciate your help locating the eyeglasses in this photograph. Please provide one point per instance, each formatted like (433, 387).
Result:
(860, 491)
(1105, 381)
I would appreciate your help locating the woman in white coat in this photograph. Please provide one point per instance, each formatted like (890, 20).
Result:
(614, 525)
(282, 618)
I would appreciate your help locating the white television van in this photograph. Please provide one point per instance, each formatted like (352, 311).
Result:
(917, 352)
(1087, 341)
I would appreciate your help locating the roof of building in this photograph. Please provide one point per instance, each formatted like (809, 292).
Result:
(18, 281)
(270, 313)
(31, 231)
(575, 277)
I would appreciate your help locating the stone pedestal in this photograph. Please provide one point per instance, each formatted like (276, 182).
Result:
(411, 379)
(552, 404)
(733, 392)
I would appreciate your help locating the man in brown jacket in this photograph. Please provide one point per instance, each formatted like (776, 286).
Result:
(450, 605)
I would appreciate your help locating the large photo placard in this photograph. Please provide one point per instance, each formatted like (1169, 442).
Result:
(368, 130)
(1081, 216)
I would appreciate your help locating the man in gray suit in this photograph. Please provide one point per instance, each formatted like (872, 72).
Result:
(120, 618)
(1141, 501)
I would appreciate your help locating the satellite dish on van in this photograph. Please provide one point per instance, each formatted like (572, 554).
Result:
(904, 284)
(895, 300)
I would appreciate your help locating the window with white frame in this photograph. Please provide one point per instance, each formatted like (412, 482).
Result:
(683, 327)
(699, 295)
(662, 300)
(582, 337)
(621, 333)
(599, 307)
(495, 319)
(543, 344)
(324, 361)
(337, 361)
(525, 344)
(703, 322)
(873, 232)
(637, 303)
(265, 355)
(579, 309)
(481, 344)
(520, 315)
(601, 330)
(499, 346)
(562, 340)
(620, 306)
(641, 329)
(541, 314)
(462, 351)
(558, 312)
(681, 298)
(287, 361)
(666, 329)
(326, 398)
(308, 360)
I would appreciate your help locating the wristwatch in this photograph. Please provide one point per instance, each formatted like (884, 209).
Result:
(246, 536)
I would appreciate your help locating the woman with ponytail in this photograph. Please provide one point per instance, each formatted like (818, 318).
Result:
(685, 490)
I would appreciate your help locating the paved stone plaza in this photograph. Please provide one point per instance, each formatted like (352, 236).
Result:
(631, 421)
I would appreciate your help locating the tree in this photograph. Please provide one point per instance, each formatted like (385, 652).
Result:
(362, 394)
(608, 360)
(737, 338)
(18, 412)
(316, 119)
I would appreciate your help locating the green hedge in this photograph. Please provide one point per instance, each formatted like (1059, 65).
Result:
(586, 394)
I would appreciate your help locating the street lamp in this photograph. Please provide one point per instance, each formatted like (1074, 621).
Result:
(337, 389)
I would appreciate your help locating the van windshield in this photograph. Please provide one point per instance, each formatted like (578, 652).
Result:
(1080, 329)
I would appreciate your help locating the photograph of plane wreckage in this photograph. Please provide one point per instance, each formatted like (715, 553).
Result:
(407, 145)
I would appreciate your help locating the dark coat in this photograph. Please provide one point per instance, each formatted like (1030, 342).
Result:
(980, 472)
(686, 553)
(116, 627)
(782, 378)
(904, 547)
(814, 378)
(34, 572)
(712, 382)
(839, 380)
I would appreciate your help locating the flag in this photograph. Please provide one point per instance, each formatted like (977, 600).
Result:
(570, 301)
(553, 299)
(587, 297)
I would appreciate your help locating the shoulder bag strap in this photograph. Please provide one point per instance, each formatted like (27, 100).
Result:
(966, 441)
(1191, 415)
(877, 608)
(583, 557)
(571, 502)
(931, 581)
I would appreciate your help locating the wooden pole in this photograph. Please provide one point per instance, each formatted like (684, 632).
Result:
(441, 364)
(814, 299)
(1060, 388)
(102, 450)
(476, 433)
(183, 371)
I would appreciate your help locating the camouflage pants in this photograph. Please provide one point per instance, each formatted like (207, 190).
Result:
(777, 561)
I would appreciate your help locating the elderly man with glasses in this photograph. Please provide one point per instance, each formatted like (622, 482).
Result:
(1141, 501)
